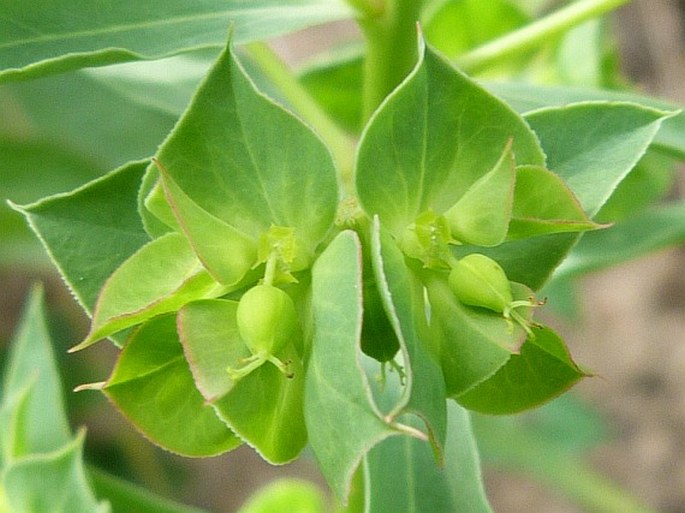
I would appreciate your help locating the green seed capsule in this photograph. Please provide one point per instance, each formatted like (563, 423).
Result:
(267, 322)
(478, 280)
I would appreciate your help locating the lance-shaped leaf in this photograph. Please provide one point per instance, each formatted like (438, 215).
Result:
(543, 370)
(594, 145)
(225, 252)
(264, 408)
(434, 137)
(89, 232)
(47, 37)
(54, 482)
(474, 342)
(544, 204)
(402, 295)
(32, 391)
(482, 214)
(248, 162)
(525, 97)
(402, 474)
(341, 417)
(152, 386)
(160, 277)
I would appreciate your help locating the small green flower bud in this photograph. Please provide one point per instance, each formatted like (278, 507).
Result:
(478, 280)
(267, 322)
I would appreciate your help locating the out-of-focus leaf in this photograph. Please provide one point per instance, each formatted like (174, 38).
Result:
(49, 37)
(644, 233)
(125, 497)
(54, 482)
(32, 382)
(291, 495)
(526, 97)
(458, 25)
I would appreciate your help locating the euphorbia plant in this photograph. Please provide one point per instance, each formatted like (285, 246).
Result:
(275, 280)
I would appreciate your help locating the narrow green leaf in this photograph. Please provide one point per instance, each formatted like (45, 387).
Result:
(341, 417)
(594, 145)
(402, 294)
(402, 474)
(434, 137)
(264, 408)
(45, 38)
(474, 342)
(525, 97)
(482, 214)
(31, 376)
(92, 119)
(248, 162)
(225, 252)
(54, 482)
(159, 278)
(126, 497)
(90, 231)
(543, 370)
(644, 233)
(544, 204)
(152, 386)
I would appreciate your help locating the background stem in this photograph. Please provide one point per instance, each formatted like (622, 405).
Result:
(534, 34)
(391, 49)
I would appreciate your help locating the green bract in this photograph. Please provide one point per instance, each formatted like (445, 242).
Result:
(267, 321)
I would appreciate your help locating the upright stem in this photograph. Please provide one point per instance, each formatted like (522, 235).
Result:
(535, 34)
(390, 31)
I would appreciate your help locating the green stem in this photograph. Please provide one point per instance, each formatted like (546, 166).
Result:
(390, 31)
(338, 141)
(535, 34)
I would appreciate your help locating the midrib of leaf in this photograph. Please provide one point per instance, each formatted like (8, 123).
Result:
(248, 147)
(156, 370)
(130, 27)
(411, 482)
